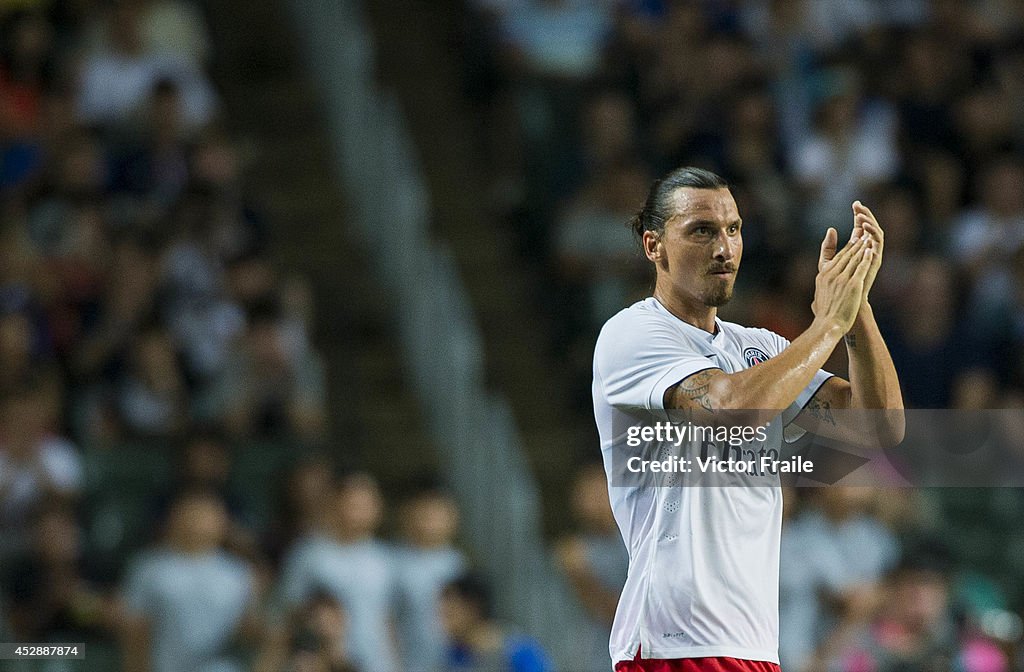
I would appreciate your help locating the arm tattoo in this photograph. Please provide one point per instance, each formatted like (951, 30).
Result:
(851, 341)
(821, 409)
(696, 388)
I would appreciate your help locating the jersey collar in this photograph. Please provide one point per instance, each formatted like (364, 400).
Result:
(704, 337)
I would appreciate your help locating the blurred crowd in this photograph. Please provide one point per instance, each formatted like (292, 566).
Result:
(139, 303)
(142, 317)
(915, 107)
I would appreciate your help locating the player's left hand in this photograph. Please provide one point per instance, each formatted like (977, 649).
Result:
(864, 223)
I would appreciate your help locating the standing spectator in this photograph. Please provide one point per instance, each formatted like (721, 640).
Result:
(594, 559)
(187, 600)
(427, 560)
(348, 562)
(476, 642)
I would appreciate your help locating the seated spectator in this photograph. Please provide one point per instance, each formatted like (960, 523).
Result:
(49, 590)
(592, 246)
(594, 558)
(851, 148)
(116, 80)
(833, 557)
(205, 463)
(151, 397)
(151, 163)
(427, 560)
(187, 600)
(26, 72)
(986, 236)
(932, 346)
(270, 386)
(314, 642)
(916, 629)
(347, 561)
(475, 639)
(36, 465)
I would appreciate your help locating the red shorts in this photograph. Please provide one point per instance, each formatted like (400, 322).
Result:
(719, 664)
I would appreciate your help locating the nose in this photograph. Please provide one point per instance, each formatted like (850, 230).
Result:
(725, 247)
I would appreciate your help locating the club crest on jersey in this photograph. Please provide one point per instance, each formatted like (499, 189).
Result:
(754, 356)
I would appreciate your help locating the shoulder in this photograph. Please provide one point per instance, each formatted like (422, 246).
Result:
(759, 341)
(642, 316)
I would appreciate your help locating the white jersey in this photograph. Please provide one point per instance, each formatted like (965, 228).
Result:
(703, 561)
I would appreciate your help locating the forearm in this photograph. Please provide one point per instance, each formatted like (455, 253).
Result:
(775, 384)
(874, 385)
(873, 380)
(757, 394)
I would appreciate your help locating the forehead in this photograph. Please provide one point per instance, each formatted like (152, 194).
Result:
(703, 204)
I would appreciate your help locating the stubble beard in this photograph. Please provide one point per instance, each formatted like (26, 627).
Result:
(716, 297)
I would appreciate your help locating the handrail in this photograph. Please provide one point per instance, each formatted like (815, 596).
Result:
(480, 444)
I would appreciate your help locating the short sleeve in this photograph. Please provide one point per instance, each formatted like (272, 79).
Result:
(638, 357)
(293, 586)
(138, 588)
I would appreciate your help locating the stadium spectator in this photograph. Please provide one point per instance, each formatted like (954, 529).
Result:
(594, 559)
(852, 147)
(26, 71)
(36, 465)
(187, 600)
(300, 512)
(314, 642)
(50, 590)
(151, 395)
(916, 628)
(426, 561)
(833, 558)
(117, 78)
(205, 463)
(986, 237)
(353, 566)
(926, 332)
(270, 385)
(476, 641)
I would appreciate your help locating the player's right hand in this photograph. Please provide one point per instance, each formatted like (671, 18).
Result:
(839, 287)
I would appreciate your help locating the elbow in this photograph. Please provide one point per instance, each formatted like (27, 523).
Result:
(892, 428)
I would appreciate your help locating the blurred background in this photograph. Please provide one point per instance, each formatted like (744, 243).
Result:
(298, 301)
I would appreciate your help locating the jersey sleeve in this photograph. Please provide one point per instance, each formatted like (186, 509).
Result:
(638, 357)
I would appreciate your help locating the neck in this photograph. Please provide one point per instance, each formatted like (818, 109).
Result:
(699, 315)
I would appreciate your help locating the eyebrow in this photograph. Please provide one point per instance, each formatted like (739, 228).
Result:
(708, 222)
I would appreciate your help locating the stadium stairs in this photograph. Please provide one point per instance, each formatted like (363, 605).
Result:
(273, 109)
(417, 58)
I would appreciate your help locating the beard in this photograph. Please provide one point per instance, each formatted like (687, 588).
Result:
(718, 295)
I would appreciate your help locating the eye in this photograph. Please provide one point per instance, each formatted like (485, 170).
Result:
(734, 228)
(702, 230)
